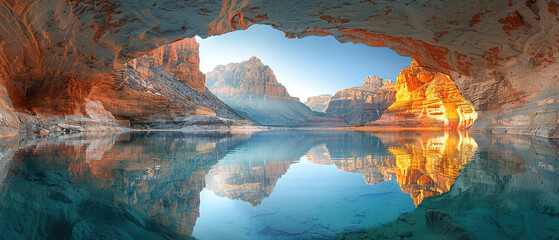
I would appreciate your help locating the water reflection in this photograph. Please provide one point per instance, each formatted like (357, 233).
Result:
(276, 184)
(117, 186)
(425, 163)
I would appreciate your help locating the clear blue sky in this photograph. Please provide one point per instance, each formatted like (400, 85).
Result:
(306, 67)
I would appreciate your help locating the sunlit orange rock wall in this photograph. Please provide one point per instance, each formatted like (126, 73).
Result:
(501, 53)
(425, 97)
(162, 86)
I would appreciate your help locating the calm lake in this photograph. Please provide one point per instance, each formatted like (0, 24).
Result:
(279, 185)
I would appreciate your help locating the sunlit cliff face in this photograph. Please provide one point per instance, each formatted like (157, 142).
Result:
(424, 166)
(425, 96)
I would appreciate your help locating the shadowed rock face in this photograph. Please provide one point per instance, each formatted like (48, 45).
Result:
(9, 123)
(428, 98)
(180, 59)
(251, 88)
(364, 103)
(501, 53)
(162, 87)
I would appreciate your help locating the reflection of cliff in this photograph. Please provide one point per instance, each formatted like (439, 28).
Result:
(133, 185)
(425, 164)
(251, 183)
(507, 191)
(428, 166)
(374, 167)
(251, 175)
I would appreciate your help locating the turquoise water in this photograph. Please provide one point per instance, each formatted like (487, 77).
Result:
(279, 185)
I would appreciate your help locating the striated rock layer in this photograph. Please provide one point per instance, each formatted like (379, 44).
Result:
(364, 103)
(505, 52)
(427, 98)
(251, 88)
(164, 88)
(161, 89)
(180, 59)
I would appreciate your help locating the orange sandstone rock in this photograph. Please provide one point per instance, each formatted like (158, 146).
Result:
(425, 97)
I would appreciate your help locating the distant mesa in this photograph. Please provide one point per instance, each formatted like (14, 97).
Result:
(248, 78)
(318, 103)
(360, 104)
(251, 88)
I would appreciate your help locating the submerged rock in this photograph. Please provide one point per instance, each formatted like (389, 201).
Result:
(440, 223)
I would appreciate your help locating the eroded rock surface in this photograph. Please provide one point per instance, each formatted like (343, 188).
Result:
(427, 98)
(161, 89)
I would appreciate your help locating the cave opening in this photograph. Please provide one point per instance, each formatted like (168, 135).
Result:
(116, 124)
(264, 76)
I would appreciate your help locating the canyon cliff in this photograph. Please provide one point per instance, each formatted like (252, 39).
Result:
(502, 55)
(164, 88)
(427, 98)
(364, 103)
(251, 88)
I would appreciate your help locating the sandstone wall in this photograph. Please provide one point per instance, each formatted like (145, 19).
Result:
(427, 98)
